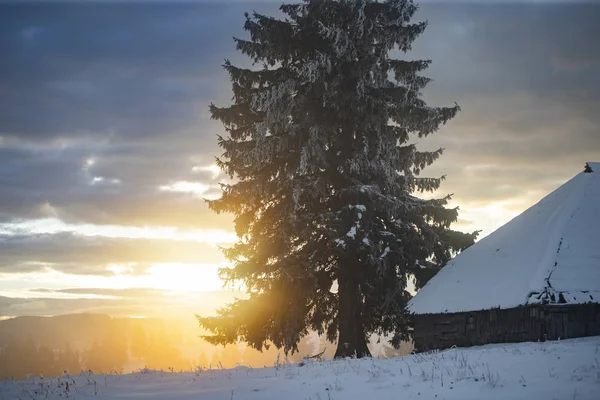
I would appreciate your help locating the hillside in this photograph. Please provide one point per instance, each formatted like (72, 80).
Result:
(50, 345)
(567, 369)
(78, 330)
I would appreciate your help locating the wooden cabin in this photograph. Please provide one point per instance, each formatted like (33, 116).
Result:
(535, 278)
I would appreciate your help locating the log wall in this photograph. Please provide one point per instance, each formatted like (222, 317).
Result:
(521, 324)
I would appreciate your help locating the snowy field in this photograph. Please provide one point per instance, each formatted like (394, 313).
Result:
(567, 369)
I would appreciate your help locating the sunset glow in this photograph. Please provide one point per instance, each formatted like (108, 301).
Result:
(195, 188)
(184, 278)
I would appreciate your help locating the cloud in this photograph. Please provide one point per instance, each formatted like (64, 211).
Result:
(29, 306)
(133, 303)
(146, 75)
(31, 32)
(120, 293)
(56, 179)
(134, 97)
(84, 255)
(523, 75)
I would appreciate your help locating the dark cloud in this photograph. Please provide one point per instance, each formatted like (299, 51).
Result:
(128, 85)
(138, 70)
(121, 187)
(526, 77)
(511, 67)
(84, 255)
(143, 136)
(145, 209)
(474, 47)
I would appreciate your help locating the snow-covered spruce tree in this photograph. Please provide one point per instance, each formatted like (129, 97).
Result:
(318, 142)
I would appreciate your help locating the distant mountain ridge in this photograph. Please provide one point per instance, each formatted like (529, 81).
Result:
(78, 330)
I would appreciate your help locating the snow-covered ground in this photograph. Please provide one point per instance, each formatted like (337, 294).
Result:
(568, 369)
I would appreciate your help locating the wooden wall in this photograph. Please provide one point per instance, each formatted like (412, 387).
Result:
(521, 324)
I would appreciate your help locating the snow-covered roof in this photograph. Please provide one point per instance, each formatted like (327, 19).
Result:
(550, 253)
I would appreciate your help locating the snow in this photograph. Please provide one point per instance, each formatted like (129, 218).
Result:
(567, 369)
(359, 207)
(385, 252)
(552, 247)
(352, 232)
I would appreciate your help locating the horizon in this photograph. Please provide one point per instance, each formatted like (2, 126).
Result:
(107, 149)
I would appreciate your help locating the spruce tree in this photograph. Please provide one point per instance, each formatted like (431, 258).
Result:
(319, 145)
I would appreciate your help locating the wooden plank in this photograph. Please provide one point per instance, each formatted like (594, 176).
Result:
(518, 324)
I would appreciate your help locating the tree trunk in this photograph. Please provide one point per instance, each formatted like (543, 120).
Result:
(361, 349)
(351, 340)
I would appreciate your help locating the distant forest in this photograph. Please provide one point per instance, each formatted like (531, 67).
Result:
(53, 346)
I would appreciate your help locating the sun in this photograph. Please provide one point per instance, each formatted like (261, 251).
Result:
(184, 277)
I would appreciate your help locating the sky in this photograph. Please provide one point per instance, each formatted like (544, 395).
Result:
(107, 147)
